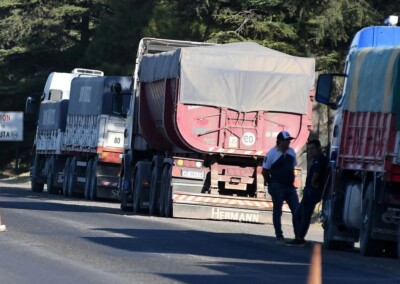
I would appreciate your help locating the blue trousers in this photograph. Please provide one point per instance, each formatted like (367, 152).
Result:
(280, 193)
(305, 210)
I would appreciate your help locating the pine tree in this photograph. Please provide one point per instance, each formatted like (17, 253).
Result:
(37, 37)
(114, 46)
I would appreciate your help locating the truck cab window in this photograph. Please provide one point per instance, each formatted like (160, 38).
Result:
(55, 95)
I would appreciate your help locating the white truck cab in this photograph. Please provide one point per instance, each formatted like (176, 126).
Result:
(57, 87)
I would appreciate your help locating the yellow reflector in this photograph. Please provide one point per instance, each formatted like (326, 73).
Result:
(179, 162)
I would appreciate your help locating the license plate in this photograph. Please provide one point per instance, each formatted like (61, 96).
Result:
(115, 139)
(193, 174)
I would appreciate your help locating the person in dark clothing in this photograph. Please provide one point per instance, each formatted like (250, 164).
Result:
(278, 172)
(312, 193)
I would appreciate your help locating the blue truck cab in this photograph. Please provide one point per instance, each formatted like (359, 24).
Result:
(343, 224)
(376, 36)
(369, 37)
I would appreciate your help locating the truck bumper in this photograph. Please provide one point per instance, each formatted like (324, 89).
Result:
(226, 208)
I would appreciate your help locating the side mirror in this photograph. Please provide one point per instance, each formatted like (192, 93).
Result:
(30, 106)
(32, 103)
(116, 88)
(55, 95)
(325, 90)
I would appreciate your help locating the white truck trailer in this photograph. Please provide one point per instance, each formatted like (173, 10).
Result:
(79, 139)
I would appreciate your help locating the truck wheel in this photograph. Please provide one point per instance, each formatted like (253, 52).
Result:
(50, 177)
(154, 193)
(329, 243)
(36, 186)
(66, 174)
(368, 246)
(137, 191)
(93, 182)
(161, 203)
(124, 196)
(390, 249)
(398, 242)
(328, 225)
(167, 191)
(124, 207)
(72, 177)
(88, 179)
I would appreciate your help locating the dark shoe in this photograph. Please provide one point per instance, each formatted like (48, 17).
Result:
(280, 240)
(297, 243)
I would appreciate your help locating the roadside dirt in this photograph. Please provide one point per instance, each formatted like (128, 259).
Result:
(14, 179)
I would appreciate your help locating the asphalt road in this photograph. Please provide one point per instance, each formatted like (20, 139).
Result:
(52, 239)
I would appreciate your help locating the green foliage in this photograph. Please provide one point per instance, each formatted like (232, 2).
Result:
(37, 37)
(113, 48)
(226, 37)
(181, 19)
(331, 62)
(41, 35)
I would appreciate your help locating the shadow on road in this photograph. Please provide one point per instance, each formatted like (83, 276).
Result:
(232, 254)
(49, 202)
(239, 257)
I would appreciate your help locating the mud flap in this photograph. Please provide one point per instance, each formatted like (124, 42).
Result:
(383, 227)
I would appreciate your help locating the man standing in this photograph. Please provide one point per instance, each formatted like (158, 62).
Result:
(278, 172)
(312, 193)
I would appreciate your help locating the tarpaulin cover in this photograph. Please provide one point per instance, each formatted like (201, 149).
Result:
(373, 81)
(93, 96)
(53, 115)
(241, 76)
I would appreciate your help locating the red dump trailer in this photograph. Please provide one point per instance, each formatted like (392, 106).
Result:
(208, 115)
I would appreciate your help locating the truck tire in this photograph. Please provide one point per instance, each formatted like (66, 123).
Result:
(398, 242)
(35, 185)
(66, 174)
(161, 203)
(123, 194)
(72, 177)
(93, 182)
(88, 179)
(328, 225)
(50, 176)
(166, 191)
(368, 246)
(137, 191)
(329, 243)
(154, 192)
(390, 249)
(124, 204)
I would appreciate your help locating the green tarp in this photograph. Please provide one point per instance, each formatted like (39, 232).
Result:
(373, 81)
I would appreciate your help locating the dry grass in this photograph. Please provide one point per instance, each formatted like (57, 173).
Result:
(9, 169)
(7, 174)
(13, 178)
